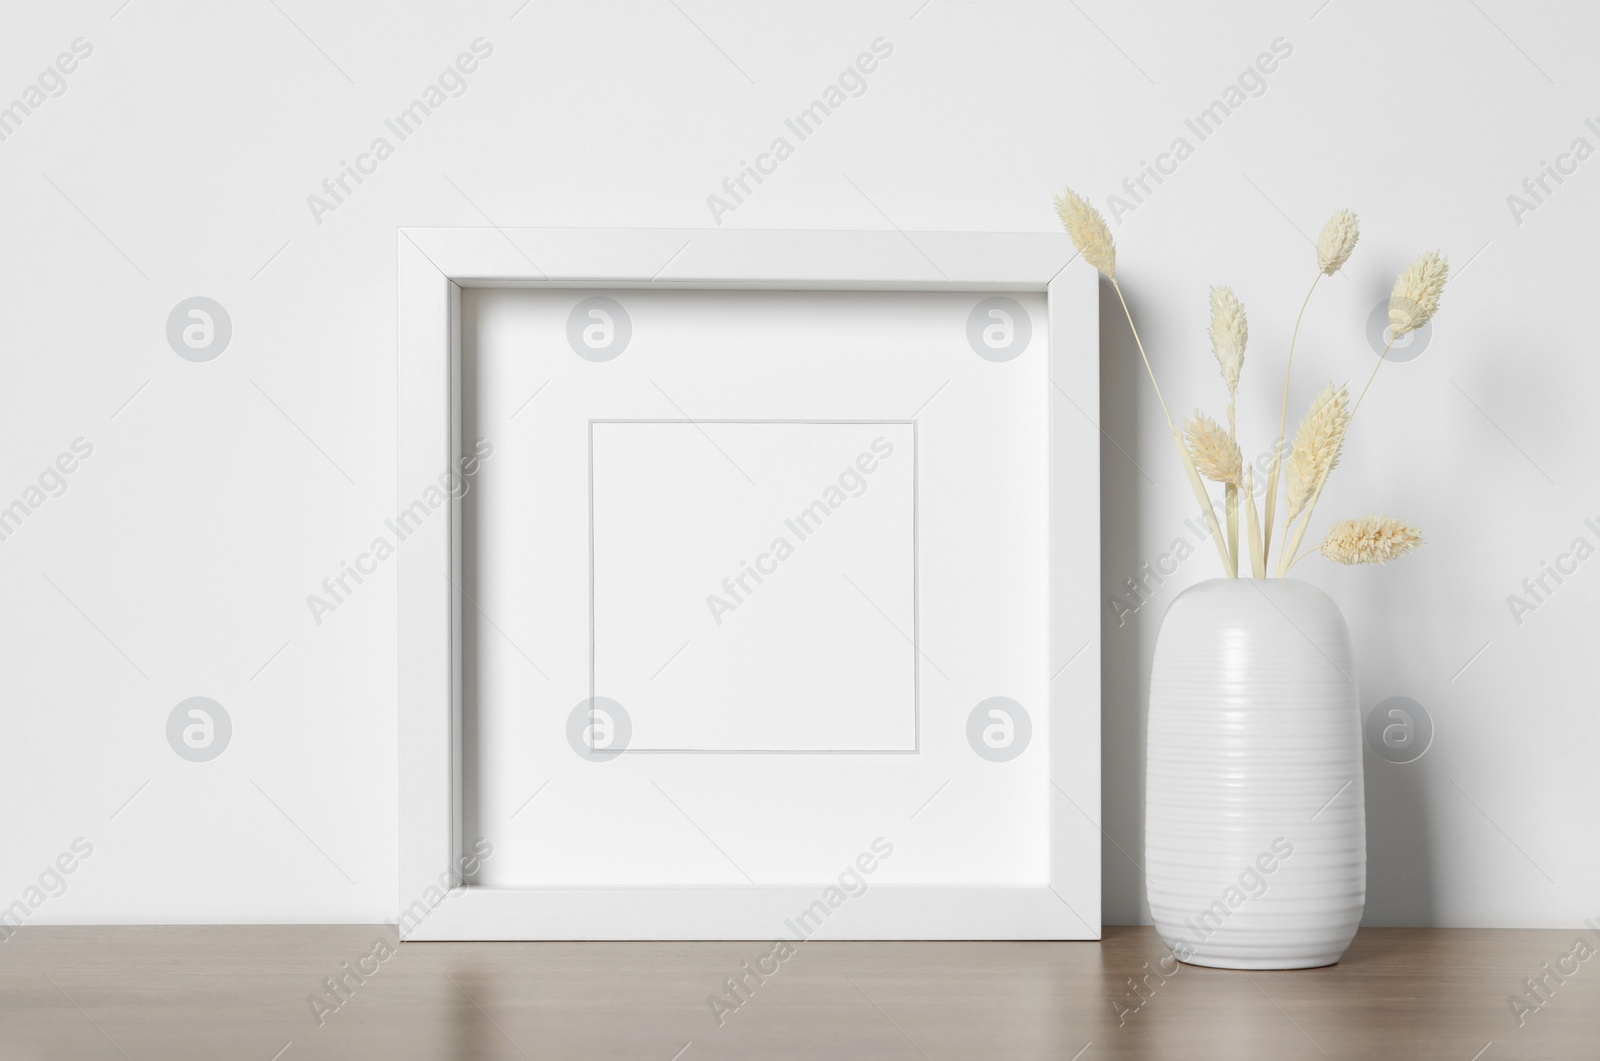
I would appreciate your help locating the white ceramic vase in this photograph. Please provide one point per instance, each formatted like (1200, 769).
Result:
(1255, 827)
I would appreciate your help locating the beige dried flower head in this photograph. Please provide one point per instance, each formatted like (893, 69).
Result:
(1317, 445)
(1370, 540)
(1088, 231)
(1229, 333)
(1216, 455)
(1338, 239)
(1415, 298)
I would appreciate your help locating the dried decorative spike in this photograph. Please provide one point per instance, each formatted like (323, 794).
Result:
(1216, 455)
(1415, 298)
(1317, 445)
(1229, 333)
(1088, 231)
(1370, 540)
(1338, 239)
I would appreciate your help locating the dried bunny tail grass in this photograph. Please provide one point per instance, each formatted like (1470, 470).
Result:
(1370, 540)
(1230, 331)
(1338, 239)
(1415, 298)
(1334, 246)
(1216, 455)
(1093, 240)
(1316, 446)
(1088, 231)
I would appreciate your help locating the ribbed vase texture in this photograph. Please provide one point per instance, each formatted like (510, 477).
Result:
(1255, 827)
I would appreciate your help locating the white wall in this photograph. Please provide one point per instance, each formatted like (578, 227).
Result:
(178, 160)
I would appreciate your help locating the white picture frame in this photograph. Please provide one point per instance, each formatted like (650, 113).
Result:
(434, 264)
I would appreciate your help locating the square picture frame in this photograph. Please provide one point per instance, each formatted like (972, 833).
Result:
(434, 266)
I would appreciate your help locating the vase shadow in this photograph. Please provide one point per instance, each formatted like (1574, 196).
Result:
(1400, 879)
(1402, 883)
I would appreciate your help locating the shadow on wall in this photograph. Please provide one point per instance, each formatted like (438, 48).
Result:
(1400, 884)
(472, 627)
(1122, 652)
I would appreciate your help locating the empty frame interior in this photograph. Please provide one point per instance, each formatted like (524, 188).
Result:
(790, 540)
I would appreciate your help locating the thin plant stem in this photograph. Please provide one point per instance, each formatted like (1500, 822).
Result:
(1177, 436)
(1381, 359)
(1231, 499)
(1301, 557)
(1258, 558)
(1283, 423)
(1291, 544)
(1143, 356)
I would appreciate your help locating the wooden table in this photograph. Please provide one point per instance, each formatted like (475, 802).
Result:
(245, 994)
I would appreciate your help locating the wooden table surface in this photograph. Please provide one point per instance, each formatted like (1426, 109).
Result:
(245, 994)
